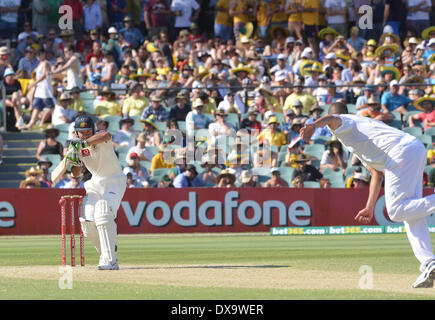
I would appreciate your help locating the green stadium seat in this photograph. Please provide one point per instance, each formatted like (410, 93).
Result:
(311, 184)
(63, 127)
(314, 150)
(233, 119)
(414, 131)
(351, 108)
(160, 172)
(322, 139)
(113, 123)
(426, 139)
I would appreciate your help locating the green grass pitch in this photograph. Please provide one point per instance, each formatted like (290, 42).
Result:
(218, 266)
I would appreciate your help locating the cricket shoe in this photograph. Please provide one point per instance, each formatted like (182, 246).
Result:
(109, 266)
(426, 278)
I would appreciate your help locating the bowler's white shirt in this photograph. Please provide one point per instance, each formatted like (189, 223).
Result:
(370, 140)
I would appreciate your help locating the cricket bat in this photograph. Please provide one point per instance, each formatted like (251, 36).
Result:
(59, 171)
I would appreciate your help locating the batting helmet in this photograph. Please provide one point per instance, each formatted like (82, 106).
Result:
(84, 123)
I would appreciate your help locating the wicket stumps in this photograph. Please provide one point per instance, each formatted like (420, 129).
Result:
(65, 202)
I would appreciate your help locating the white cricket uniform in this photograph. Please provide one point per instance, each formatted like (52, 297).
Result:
(402, 158)
(108, 182)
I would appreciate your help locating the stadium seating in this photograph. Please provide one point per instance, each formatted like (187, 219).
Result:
(311, 184)
(415, 131)
(315, 150)
(113, 123)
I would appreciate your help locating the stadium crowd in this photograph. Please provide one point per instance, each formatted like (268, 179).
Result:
(229, 81)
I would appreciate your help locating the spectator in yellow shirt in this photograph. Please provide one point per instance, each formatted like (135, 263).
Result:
(272, 134)
(279, 16)
(109, 106)
(223, 23)
(263, 18)
(305, 98)
(294, 10)
(242, 12)
(134, 104)
(311, 10)
(77, 103)
(158, 160)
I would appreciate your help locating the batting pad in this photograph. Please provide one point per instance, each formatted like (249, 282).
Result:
(90, 231)
(106, 227)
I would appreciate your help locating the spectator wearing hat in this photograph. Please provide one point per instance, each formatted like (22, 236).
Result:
(392, 101)
(275, 180)
(298, 182)
(334, 157)
(298, 108)
(195, 119)
(225, 179)
(29, 62)
(156, 109)
(281, 65)
(359, 180)
(132, 35)
(126, 135)
(243, 14)
(294, 149)
(372, 110)
(430, 49)
(181, 108)
(289, 116)
(139, 173)
(272, 135)
(135, 103)
(316, 113)
(250, 123)
(306, 99)
(62, 112)
(306, 171)
(220, 128)
(295, 127)
(248, 180)
(361, 101)
(38, 174)
(140, 149)
(152, 132)
(162, 159)
(108, 106)
(30, 183)
(427, 116)
(188, 178)
(311, 11)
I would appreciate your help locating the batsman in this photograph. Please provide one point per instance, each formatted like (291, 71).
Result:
(104, 191)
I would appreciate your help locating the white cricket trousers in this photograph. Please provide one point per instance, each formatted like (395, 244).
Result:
(110, 189)
(404, 196)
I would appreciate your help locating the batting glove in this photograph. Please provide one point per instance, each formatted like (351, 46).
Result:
(72, 157)
(77, 143)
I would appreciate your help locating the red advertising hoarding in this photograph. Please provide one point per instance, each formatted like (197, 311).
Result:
(37, 211)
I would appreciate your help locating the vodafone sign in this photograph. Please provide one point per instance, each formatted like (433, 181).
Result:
(37, 211)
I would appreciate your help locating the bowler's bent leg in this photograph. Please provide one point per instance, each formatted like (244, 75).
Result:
(405, 202)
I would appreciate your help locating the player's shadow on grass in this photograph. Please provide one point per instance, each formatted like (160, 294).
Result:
(210, 267)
